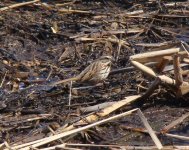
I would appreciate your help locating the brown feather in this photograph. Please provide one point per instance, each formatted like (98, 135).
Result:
(95, 72)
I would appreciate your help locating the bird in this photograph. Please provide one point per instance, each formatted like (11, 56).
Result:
(96, 72)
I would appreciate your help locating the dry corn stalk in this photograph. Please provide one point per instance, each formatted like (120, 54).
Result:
(163, 57)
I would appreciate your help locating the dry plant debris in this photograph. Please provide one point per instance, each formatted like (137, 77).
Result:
(43, 42)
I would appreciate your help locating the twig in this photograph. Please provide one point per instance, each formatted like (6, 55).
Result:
(185, 46)
(177, 70)
(154, 44)
(97, 107)
(154, 55)
(86, 87)
(64, 4)
(144, 68)
(174, 123)
(113, 40)
(143, 130)
(3, 80)
(74, 11)
(104, 112)
(61, 135)
(18, 5)
(174, 16)
(171, 67)
(98, 33)
(81, 145)
(175, 147)
(171, 32)
(63, 147)
(165, 60)
(167, 80)
(52, 131)
(150, 130)
(152, 88)
(70, 94)
(173, 4)
(129, 69)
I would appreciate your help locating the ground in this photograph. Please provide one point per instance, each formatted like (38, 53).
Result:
(40, 45)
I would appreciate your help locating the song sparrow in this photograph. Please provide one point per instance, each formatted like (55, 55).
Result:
(97, 71)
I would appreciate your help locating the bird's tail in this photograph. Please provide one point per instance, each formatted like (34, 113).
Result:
(64, 81)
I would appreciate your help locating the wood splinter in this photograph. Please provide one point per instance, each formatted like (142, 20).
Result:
(177, 70)
(183, 87)
(154, 56)
(18, 5)
(144, 68)
(163, 63)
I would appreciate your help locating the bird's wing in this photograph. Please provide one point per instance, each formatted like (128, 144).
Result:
(89, 72)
